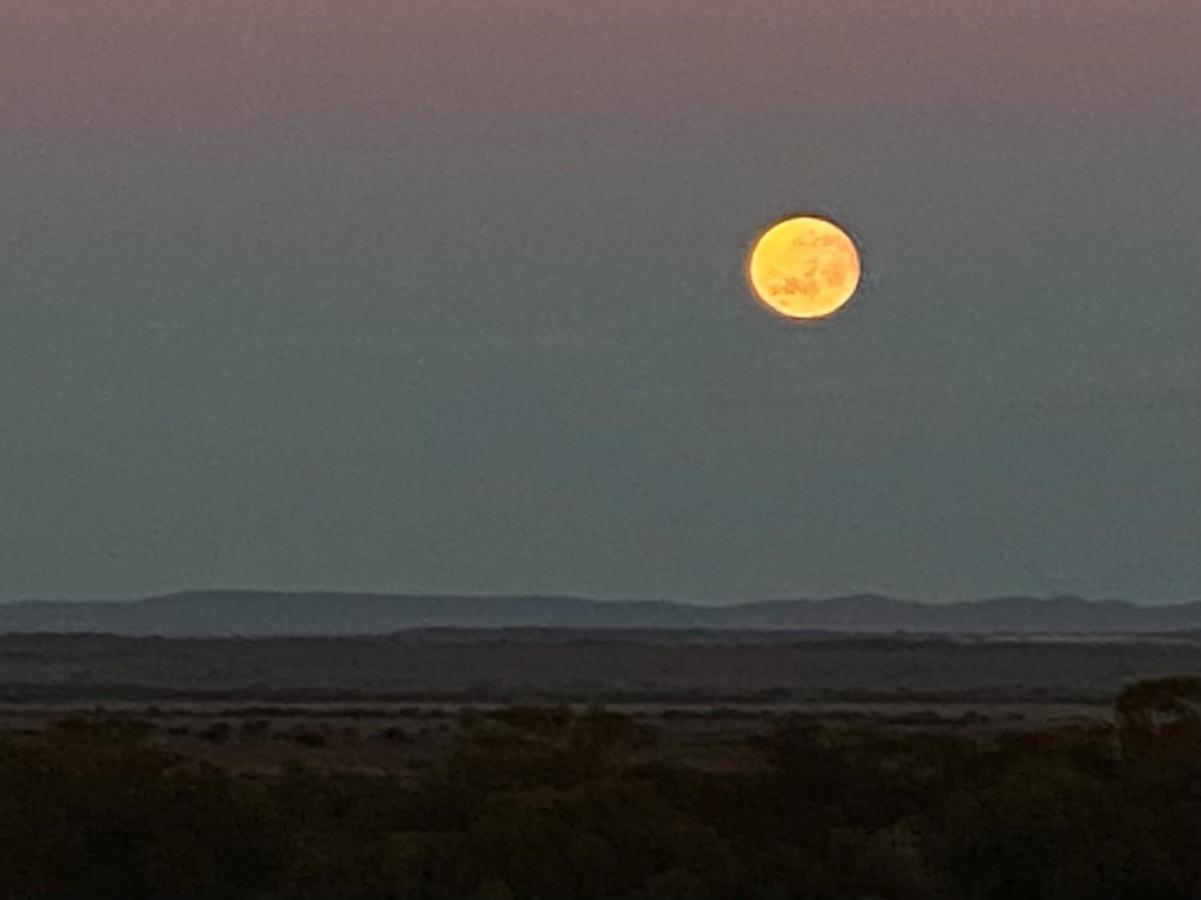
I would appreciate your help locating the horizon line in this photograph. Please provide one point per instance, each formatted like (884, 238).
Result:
(605, 599)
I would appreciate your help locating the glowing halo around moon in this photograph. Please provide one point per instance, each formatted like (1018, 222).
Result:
(804, 267)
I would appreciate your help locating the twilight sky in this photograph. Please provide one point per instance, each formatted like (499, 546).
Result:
(447, 295)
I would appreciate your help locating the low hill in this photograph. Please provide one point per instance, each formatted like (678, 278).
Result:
(261, 614)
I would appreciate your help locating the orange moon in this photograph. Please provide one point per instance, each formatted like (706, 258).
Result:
(804, 268)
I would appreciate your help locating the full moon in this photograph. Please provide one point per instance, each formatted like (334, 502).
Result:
(804, 268)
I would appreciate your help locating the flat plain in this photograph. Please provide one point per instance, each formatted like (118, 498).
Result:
(388, 702)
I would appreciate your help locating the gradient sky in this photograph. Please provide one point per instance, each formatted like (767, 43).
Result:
(447, 295)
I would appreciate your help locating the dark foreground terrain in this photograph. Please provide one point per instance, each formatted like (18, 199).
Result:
(544, 763)
(547, 802)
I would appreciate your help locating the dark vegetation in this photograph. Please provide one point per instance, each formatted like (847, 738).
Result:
(543, 802)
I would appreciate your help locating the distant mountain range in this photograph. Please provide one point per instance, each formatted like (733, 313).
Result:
(259, 614)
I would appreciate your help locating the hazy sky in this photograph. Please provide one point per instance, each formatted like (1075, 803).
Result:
(447, 295)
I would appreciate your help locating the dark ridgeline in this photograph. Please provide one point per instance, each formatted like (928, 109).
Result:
(259, 613)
